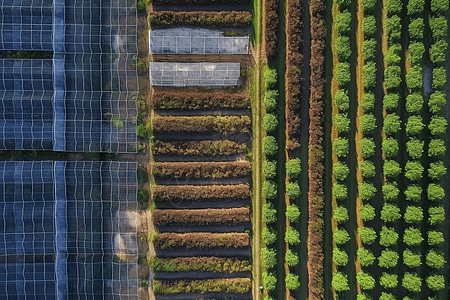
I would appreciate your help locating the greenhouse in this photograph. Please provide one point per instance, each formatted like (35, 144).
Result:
(68, 230)
(77, 95)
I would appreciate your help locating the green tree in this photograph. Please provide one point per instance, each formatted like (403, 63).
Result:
(270, 189)
(292, 281)
(270, 145)
(413, 170)
(369, 49)
(412, 282)
(367, 168)
(292, 213)
(436, 215)
(414, 125)
(270, 168)
(391, 124)
(293, 190)
(437, 102)
(415, 7)
(340, 170)
(389, 281)
(435, 192)
(363, 296)
(342, 100)
(292, 236)
(368, 102)
(413, 214)
(269, 236)
(436, 148)
(437, 170)
(415, 148)
(342, 123)
(370, 75)
(387, 296)
(435, 259)
(394, 27)
(414, 103)
(291, 258)
(343, 3)
(340, 214)
(439, 78)
(270, 257)
(367, 212)
(393, 54)
(343, 48)
(367, 147)
(367, 235)
(412, 236)
(390, 147)
(340, 282)
(142, 131)
(438, 52)
(369, 26)
(340, 191)
(341, 146)
(412, 259)
(435, 238)
(341, 236)
(391, 169)
(365, 280)
(438, 26)
(270, 99)
(416, 28)
(270, 78)
(269, 281)
(392, 77)
(394, 7)
(343, 21)
(388, 237)
(436, 282)
(413, 193)
(388, 259)
(369, 5)
(390, 213)
(294, 167)
(270, 213)
(414, 77)
(366, 190)
(439, 6)
(270, 122)
(368, 123)
(438, 125)
(390, 191)
(343, 75)
(366, 257)
(416, 51)
(390, 101)
(340, 258)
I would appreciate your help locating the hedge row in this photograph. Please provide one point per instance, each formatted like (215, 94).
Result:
(201, 240)
(222, 124)
(271, 21)
(221, 147)
(201, 192)
(231, 216)
(199, 100)
(210, 18)
(200, 169)
(200, 2)
(315, 150)
(222, 285)
(199, 263)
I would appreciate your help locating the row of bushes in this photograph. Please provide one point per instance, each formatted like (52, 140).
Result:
(226, 125)
(200, 169)
(199, 263)
(199, 100)
(271, 21)
(210, 18)
(231, 216)
(201, 192)
(207, 147)
(200, 2)
(315, 150)
(201, 240)
(222, 285)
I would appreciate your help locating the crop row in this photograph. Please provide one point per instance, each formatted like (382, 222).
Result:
(228, 285)
(201, 193)
(208, 147)
(222, 124)
(199, 263)
(271, 21)
(201, 169)
(210, 18)
(201, 240)
(200, 2)
(164, 217)
(199, 100)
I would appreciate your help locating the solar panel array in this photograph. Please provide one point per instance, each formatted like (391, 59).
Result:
(68, 230)
(89, 85)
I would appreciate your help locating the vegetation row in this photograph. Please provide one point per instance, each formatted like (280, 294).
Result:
(201, 192)
(201, 169)
(201, 240)
(199, 263)
(207, 147)
(201, 18)
(200, 2)
(222, 285)
(271, 21)
(231, 216)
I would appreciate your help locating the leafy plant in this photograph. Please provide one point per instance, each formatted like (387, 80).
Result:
(413, 193)
(412, 236)
(343, 75)
(367, 212)
(391, 169)
(370, 75)
(270, 189)
(416, 28)
(369, 49)
(394, 28)
(411, 259)
(367, 235)
(414, 78)
(368, 123)
(270, 122)
(412, 282)
(414, 125)
(366, 281)
(341, 236)
(413, 214)
(269, 281)
(270, 99)
(439, 78)
(388, 237)
(270, 213)
(367, 147)
(437, 102)
(436, 215)
(435, 192)
(389, 281)
(435, 259)
(438, 125)
(390, 213)
(416, 51)
(270, 169)
(270, 78)
(340, 191)
(438, 52)
(415, 7)
(269, 256)
(392, 77)
(270, 145)
(340, 282)
(437, 170)
(415, 148)
(366, 190)
(342, 123)
(341, 146)
(389, 147)
(439, 6)
(343, 21)
(414, 103)
(390, 101)
(340, 257)
(388, 259)
(369, 5)
(291, 258)
(343, 49)
(366, 257)
(435, 238)
(292, 281)
(413, 170)
(391, 124)
(292, 213)
(293, 190)
(340, 170)
(368, 102)
(390, 191)
(269, 236)
(438, 26)
(435, 282)
(369, 26)
(367, 168)
(294, 167)
(394, 7)
(342, 100)
(292, 236)
(340, 214)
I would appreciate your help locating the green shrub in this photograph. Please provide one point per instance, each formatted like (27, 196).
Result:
(435, 259)
(269, 236)
(342, 123)
(369, 26)
(412, 282)
(368, 123)
(292, 236)
(414, 103)
(390, 101)
(141, 131)
(387, 296)
(292, 213)
(438, 125)
(368, 102)
(340, 214)
(343, 75)
(413, 193)
(341, 146)
(394, 28)
(370, 75)
(270, 122)
(292, 281)
(367, 212)
(414, 125)
(340, 258)
(436, 215)
(270, 99)
(391, 124)
(341, 236)
(269, 257)
(391, 169)
(340, 191)
(294, 167)
(140, 5)
(293, 190)
(366, 257)
(416, 28)
(388, 237)
(369, 49)
(393, 55)
(392, 77)
(435, 238)
(269, 281)
(340, 170)
(413, 170)
(367, 235)
(142, 175)
(389, 281)
(415, 148)
(270, 189)
(438, 28)
(439, 78)
(390, 213)
(270, 169)
(365, 280)
(270, 145)
(369, 5)
(394, 7)
(270, 213)
(390, 147)
(340, 282)
(414, 78)
(436, 282)
(343, 49)
(291, 258)
(343, 3)
(367, 168)
(416, 51)
(436, 148)
(390, 191)
(413, 214)
(342, 100)
(343, 21)
(388, 259)
(439, 6)
(437, 102)
(438, 51)
(367, 147)
(270, 78)
(142, 198)
(363, 296)
(437, 170)
(415, 7)
(412, 236)
(435, 192)
(412, 259)
(366, 190)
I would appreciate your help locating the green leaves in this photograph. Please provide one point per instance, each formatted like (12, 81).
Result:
(413, 214)
(294, 167)
(389, 281)
(342, 100)
(292, 236)
(340, 257)
(368, 123)
(366, 190)
(391, 124)
(412, 259)
(392, 77)
(270, 122)
(341, 236)
(388, 237)
(292, 281)
(369, 26)
(415, 148)
(415, 7)
(369, 49)
(291, 258)
(367, 168)
(342, 123)
(391, 169)
(394, 27)
(369, 75)
(414, 77)
(367, 147)
(366, 257)
(438, 28)
(340, 282)
(414, 125)
(412, 236)
(340, 170)
(341, 146)
(416, 28)
(343, 21)
(435, 259)
(367, 235)
(366, 280)
(413, 170)
(390, 213)
(438, 52)
(343, 75)
(414, 103)
(270, 145)
(270, 78)
(340, 214)
(270, 189)
(390, 147)
(292, 213)
(412, 282)
(438, 125)
(343, 49)
(367, 212)
(293, 190)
